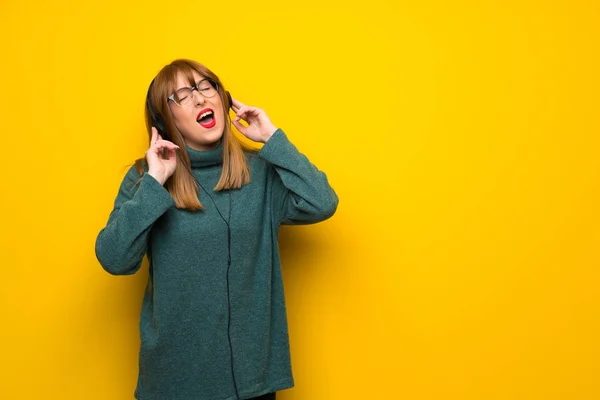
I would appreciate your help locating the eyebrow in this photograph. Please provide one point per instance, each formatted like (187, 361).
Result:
(189, 87)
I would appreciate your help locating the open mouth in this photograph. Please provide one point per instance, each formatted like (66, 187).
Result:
(206, 118)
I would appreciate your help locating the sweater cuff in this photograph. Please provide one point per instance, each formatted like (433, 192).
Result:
(156, 194)
(276, 143)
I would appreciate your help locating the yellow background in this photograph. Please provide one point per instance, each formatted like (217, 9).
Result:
(461, 138)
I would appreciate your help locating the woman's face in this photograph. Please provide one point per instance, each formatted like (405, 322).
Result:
(199, 133)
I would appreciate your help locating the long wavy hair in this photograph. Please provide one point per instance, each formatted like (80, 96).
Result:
(182, 185)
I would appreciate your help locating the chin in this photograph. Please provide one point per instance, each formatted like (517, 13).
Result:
(216, 136)
(207, 138)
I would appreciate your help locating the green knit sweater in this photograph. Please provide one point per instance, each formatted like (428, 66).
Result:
(213, 328)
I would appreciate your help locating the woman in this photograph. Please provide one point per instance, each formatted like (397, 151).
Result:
(206, 211)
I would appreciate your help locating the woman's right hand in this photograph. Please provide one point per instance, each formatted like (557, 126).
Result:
(161, 168)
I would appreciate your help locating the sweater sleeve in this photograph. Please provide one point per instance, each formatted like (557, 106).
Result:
(122, 243)
(301, 192)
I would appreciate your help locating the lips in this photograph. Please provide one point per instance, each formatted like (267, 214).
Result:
(206, 118)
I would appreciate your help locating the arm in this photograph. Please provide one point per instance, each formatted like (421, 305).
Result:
(122, 244)
(301, 193)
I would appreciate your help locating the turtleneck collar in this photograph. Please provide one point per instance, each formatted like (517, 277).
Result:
(200, 159)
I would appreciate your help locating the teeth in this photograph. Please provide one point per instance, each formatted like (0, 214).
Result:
(205, 114)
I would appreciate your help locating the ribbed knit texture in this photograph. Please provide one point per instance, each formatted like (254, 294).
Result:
(185, 349)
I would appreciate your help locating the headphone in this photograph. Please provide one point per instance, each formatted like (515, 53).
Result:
(159, 122)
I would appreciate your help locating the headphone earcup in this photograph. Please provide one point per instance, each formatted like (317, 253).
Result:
(159, 124)
(157, 120)
(230, 100)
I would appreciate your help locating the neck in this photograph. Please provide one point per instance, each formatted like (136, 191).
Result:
(206, 158)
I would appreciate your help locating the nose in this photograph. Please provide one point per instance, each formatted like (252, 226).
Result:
(198, 98)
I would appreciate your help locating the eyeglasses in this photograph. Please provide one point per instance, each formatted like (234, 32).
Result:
(184, 97)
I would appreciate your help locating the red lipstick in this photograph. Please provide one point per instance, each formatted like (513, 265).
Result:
(213, 120)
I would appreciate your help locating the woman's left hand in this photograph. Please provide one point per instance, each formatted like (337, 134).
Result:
(259, 129)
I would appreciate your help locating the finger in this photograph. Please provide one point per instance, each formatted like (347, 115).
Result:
(241, 110)
(244, 111)
(251, 110)
(165, 144)
(154, 135)
(172, 154)
(236, 103)
(239, 127)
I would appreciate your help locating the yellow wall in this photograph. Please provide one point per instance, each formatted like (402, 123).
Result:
(461, 137)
